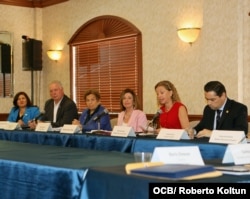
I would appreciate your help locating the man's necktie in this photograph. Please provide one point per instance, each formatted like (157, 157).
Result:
(218, 118)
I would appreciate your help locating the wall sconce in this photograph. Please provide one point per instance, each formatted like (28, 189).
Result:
(54, 55)
(188, 35)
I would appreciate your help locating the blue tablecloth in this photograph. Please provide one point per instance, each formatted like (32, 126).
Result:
(115, 183)
(105, 143)
(33, 137)
(110, 143)
(50, 172)
(24, 180)
(208, 150)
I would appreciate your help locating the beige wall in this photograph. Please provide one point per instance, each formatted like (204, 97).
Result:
(20, 21)
(220, 53)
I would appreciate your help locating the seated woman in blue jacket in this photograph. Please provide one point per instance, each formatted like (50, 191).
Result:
(23, 111)
(95, 116)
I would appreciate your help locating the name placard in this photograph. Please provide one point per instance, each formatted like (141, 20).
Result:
(12, 126)
(172, 134)
(68, 128)
(3, 124)
(123, 131)
(227, 137)
(44, 127)
(178, 155)
(237, 154)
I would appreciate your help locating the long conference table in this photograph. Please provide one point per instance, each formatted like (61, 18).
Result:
(68, 167)
(110, 143)
(51, 172)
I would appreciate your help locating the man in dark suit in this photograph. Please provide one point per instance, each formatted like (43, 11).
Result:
(60, 109)
(221, 113)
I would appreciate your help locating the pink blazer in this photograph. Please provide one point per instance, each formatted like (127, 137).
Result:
(137, 120)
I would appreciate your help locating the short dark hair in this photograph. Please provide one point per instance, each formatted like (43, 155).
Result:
(29, 103)
(215, 86)
(93, 92)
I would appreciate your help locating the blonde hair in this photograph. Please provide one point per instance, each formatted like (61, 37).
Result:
(170, 87)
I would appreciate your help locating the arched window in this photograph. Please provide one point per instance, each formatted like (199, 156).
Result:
(106, 54)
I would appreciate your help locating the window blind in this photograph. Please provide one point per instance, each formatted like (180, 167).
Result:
(109, 66)
(5, 84)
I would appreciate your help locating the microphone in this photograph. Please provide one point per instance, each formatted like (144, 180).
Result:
(156, 115)
(152, 122)
(105, 111)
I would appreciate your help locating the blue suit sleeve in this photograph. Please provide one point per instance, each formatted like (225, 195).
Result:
(105, 123)
(12, 116)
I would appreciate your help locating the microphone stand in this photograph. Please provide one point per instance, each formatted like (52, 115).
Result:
(151, 124)
(98, 125)
(154, 126)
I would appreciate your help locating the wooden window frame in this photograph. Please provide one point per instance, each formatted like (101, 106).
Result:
(109, 62)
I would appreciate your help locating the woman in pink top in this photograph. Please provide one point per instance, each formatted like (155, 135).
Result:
(174, 114)
(131, 114)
